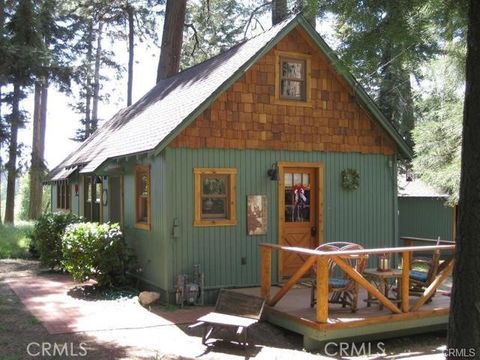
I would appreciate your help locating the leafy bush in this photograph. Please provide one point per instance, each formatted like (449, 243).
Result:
(14, 240)
(47, 237)
(92, 250)
(25, 197)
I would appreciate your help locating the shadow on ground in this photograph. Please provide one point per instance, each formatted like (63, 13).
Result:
(23, 336)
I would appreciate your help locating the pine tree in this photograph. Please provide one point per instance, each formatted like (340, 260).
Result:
(98, 21)
(55, 36)
(25, 51)
(438, 134)
(212, 30)
(464, 320)
(383, 43)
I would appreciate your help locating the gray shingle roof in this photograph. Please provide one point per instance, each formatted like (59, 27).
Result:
(143, 125)
(153, 120)
(417, 188)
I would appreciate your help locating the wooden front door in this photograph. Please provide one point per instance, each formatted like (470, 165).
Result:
(298, 215)
(115, 199)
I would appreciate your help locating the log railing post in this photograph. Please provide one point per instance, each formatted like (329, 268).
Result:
(266, 272)
(322, 289)
(405, 281)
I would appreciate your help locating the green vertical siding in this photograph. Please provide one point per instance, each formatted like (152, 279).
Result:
(150, 247)
(425, 217)
(365, 216)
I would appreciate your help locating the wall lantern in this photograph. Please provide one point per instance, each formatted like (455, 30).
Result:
(77, 189)
(104, 197)
(273, 172)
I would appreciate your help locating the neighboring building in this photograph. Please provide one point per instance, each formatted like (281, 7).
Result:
(423, 212)
(277, 116)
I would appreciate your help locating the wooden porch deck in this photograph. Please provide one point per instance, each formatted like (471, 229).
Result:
(293, 312)
(289, 305)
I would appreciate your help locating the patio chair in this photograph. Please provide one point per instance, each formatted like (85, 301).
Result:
(423, 271)
(341, 288)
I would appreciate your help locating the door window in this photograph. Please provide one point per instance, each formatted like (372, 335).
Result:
(297, 197)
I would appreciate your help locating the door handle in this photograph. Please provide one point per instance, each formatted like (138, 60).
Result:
(313, 231)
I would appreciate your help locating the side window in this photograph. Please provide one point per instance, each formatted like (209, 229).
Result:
(215, 196)
(142, 197)
(63, 195)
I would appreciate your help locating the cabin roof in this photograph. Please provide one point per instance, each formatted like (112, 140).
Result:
(416, 188)
(173, 103)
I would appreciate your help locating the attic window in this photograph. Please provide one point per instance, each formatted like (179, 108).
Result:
(292, 79)
(215, 198)
(142, 197)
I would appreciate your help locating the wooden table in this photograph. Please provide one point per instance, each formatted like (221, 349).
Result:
(384, 281)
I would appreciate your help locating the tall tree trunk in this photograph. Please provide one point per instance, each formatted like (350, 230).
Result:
(309, 9)
(96, 79)
(1, 144)
(172, 39)
(38, 149)
(464, 321)
(11, 165)
(2, 29)
(279, 11)
(88, 81)
(131, 53)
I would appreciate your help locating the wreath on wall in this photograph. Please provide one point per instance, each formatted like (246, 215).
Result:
(350, 179)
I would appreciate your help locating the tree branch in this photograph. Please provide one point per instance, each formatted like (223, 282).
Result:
(252, 15)
(195, 36)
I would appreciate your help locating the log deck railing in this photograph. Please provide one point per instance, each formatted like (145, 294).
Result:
(320, 260)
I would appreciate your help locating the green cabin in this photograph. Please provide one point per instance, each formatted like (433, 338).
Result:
(423, 212)
(272, 141)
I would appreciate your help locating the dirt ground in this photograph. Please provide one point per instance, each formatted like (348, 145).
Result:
(20, 332)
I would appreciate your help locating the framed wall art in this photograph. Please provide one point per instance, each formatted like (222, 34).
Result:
(257, 214)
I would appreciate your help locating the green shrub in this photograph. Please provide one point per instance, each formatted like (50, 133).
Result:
(98, 251)
(14, 240)
(47, 237)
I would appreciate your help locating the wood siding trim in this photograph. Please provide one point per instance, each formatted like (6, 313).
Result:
(319, 213)
(232, 197)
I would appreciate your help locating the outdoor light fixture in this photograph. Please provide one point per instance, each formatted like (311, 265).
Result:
(77, 189)
(105, 197)
(273, 172)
